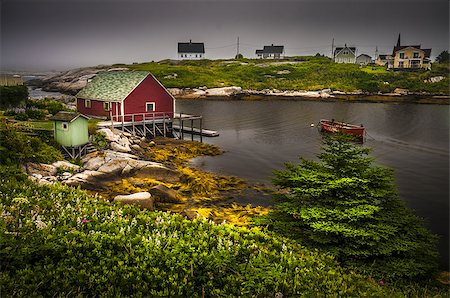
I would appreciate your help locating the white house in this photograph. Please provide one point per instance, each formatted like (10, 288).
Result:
(191, 50)
(345, 54)
(363, 59)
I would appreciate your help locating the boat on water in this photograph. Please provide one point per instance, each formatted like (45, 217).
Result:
(332, 126)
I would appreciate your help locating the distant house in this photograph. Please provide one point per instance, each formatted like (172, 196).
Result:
(191, 50)
(344, 54)
(270, 52)
(113, 94)
(363, 59)
(411, 57)
(385, 60)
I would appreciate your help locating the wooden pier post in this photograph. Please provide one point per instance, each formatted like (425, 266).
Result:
(154, 128)
(201, 130)
(164, 124)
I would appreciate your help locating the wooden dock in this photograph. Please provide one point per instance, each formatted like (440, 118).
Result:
(159, 124)
(192, 130)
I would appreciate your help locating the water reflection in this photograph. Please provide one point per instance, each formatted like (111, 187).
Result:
(259, 137)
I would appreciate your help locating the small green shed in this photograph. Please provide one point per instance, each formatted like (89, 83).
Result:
(70, 129)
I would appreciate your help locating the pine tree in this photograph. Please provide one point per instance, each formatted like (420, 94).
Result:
(349, 207)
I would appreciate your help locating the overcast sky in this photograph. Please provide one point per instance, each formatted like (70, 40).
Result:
(55, 34)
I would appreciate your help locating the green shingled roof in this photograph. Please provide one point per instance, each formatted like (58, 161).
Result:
(112, 85)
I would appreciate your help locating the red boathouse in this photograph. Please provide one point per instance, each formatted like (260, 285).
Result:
(114, 94)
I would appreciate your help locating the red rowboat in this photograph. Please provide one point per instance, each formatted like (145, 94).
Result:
(335, 126)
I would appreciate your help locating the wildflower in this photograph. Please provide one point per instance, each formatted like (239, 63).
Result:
(381, 282)
(84, 221)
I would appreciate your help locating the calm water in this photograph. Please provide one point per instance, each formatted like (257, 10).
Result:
(260, 136)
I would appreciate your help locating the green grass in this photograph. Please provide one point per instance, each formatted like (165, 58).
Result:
(305, 73)
(375, 69)
(59, 241)
(38, 125)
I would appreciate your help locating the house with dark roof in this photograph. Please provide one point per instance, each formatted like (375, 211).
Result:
(270, 52)
(410, 56)
(191, 50)
(363, 59)
(344, 54)
(114, 94)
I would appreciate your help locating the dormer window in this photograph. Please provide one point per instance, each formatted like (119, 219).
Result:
(416, 55)
(402, 55)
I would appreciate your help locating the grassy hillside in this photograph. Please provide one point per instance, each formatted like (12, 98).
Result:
(300, 73)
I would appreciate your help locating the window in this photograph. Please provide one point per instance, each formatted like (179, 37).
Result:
(107, 106)
(87, 103)
(402, 55)
(416, 55)
(415, 64)
(400, 64)
(65, 126)
(149, 106)
(195, 55)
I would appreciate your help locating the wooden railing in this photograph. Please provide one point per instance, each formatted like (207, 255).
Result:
(139, 117)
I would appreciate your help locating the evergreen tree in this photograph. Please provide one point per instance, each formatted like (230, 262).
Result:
(443, 57)
(349, 207)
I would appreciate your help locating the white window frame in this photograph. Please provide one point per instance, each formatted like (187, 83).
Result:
(107, 106)
(416, 55)
(87, 103)
(65, 126)
(146, 106)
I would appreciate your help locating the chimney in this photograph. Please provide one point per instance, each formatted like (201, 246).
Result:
(190, 40)
(272, 45)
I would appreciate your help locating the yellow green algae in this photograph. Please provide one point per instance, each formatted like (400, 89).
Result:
(199, 193)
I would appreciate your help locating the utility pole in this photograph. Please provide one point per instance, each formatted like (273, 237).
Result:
(332, 49)
(237, 54)
(376, 52)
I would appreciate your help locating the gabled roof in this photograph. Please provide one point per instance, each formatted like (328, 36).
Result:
(273, 49)
(339, 49)
(399, 48)
(259, 51)
(191, 47)
(67, 116)
(112, 85)
(364, 55)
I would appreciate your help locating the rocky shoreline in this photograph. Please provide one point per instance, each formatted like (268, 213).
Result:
(72, 81)
(153, 174)
(100, 167)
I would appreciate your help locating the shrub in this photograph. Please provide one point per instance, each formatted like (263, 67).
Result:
(13, 96)
(21, 116)
(16, 147)
(51, 105)
(348, 207)
(99, 141)
(34, 113)
(58, 241)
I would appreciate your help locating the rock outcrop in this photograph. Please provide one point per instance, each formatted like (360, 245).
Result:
(72, 81)
(164, 194)
(143, 200)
